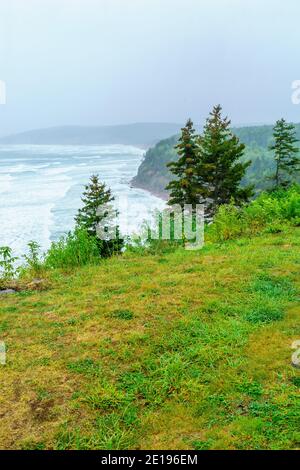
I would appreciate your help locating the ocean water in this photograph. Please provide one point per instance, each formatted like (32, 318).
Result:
(41, 188)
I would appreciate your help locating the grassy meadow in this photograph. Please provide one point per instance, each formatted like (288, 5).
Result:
(169, 350)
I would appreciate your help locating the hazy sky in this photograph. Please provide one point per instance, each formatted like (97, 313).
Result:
(93, 62)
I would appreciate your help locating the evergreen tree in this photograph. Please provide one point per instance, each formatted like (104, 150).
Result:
(184, 189)
(219, 168)
(97, 201)
(286, 153)
(94, 196)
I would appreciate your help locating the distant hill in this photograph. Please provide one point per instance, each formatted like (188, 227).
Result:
(141, 134)
(153, 174)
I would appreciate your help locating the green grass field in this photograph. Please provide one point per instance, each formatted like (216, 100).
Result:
(186, 350)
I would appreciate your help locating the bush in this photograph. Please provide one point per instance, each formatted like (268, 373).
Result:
(111, 247)
(151, 240)
(281, 205)
(7, 264)
(228, 223)
(270, 212)
(33, 260)
(77, 248)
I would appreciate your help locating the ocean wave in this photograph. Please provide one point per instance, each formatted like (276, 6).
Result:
(41, 188)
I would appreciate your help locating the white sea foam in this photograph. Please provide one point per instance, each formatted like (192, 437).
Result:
(5, 183)
(41, 186)
(21, 224)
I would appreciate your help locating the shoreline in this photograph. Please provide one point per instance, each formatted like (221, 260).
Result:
(163, 195)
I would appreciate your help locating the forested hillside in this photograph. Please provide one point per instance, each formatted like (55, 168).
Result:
(153, 174)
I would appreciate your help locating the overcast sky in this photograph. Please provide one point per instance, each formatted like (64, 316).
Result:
(93, 62)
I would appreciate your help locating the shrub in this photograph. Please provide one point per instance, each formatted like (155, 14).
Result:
(228, 223)
(270, 212)
(159, 235)
(281, 205)
(7, 264)
(77, 248)
(33, 260)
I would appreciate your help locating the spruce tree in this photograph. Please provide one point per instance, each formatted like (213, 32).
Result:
(285, 152)
(184, 189)
(220, 169)
(96, 197)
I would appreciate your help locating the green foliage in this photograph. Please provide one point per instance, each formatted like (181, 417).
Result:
(209, 168)
(270, 294)
(229, 223)
(220, 169)
(106, 397)
(33, 260)
(260, 169)
(286, 154)
(274, 287)
(94, 197)
(270, 212)
(280, 205)
(97, 214)
(296, 381)
(86, 367)
(75, 249)
(159, 234)
(202, 445)
(206, 354)
(7, 264)
(184, 188)
(112, 433)
(156, 236)
(154, 175)
(33, 445)
(122, 315)
(265, 314)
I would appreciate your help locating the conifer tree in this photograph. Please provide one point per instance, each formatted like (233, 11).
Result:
(184, 189)
(94, 196)
(97, 199)
(219, 167)
(285, 152)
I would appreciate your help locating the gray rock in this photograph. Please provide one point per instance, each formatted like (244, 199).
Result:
(7, 291)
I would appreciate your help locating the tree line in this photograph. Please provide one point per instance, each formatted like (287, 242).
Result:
(209, 168)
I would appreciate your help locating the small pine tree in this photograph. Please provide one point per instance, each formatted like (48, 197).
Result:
(220, 169)
(286, 153)
(90, 216)
(94, 196)
(184, 189)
